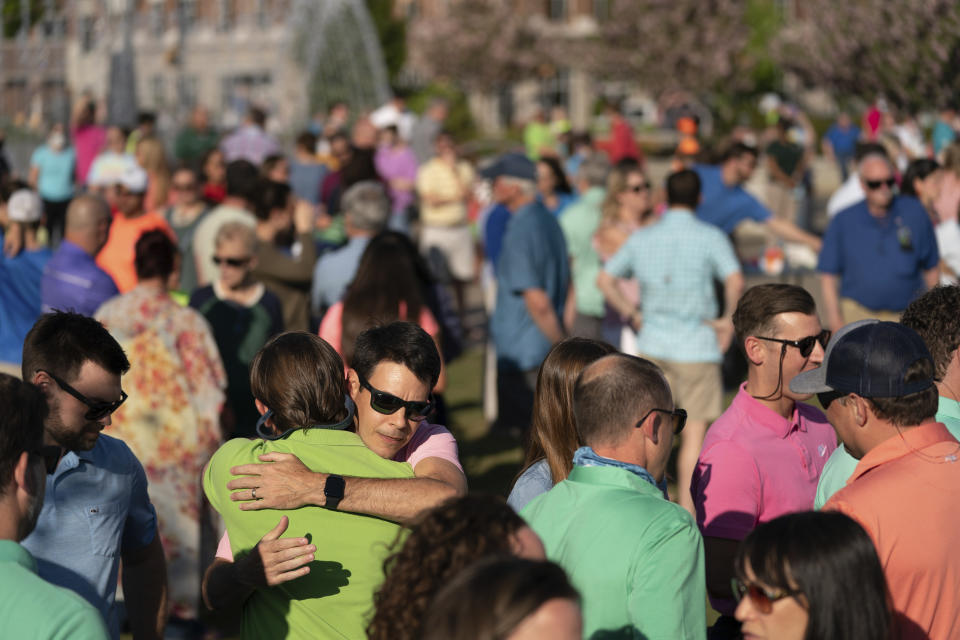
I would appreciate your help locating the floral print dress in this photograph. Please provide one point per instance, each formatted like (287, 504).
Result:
(176, 388)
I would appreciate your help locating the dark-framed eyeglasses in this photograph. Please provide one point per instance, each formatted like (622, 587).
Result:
(876, 184)
(679, 417)
(387, 403)
(97, 409)
(827, 397)
(50, 454)
(233, 262)
(805, 345)
(638, 188)
(761, 597)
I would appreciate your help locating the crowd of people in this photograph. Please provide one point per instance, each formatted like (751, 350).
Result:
(265, 339)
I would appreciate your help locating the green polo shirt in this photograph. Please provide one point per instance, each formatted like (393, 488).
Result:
(636, 558)
(579, 222)
(335, 599)
(33, 608)
(841, 464)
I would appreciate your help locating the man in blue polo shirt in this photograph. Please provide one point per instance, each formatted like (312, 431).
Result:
(97, 513)
(883, 250)
(726, 203)
(533, 274)
(72, 281)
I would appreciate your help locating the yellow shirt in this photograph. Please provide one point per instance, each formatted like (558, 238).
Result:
(438, 180)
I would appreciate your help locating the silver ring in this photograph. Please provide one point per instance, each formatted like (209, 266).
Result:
(253, 492)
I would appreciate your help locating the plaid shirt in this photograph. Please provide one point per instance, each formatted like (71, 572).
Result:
(675, 262)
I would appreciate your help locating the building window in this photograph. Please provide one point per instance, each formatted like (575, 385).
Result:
(226, 15)
(187, 91)
(88, 36)
(157, 20)
(557, 9)
(158, 87)
(506, 108)
(261, 13)
(242, 90)
(555, 89)
(186, 15)
(601, 10)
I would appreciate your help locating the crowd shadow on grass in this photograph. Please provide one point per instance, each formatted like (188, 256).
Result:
(491, 462)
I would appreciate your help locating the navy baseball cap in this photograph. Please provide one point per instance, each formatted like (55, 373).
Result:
(869, 358)
(513, 165)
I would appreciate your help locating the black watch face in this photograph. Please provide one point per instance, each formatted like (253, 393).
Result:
(334, 487)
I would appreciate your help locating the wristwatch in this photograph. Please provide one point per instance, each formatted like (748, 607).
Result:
(333, 491)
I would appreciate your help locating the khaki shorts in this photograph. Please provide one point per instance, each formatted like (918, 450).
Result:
(456, 246)
(853, 311)
(697, 387)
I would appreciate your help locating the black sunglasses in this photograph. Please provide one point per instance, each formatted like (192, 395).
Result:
(638, 188)
(876, 184)
(805, 345)
(827, 397)
(51, 456)
(387, 403)
(761, 597)
(233, 262)
(679, 418)
(98, 410)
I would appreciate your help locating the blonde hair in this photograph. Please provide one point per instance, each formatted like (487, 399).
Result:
(617, 184)
(951, 158)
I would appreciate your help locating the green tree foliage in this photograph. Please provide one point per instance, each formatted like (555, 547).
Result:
(392, 33)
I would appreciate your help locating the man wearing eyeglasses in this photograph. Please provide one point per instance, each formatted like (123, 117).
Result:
(635, 557)
(881, 251)
(97, 514)
(762, 458)
(29, 606)
(877, 386)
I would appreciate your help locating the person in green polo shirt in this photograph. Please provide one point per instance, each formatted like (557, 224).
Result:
(297, 381)
(29, 606)
(934, 316)
(635, 557)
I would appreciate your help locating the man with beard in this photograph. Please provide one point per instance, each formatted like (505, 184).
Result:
(29, 606)
(98, 513)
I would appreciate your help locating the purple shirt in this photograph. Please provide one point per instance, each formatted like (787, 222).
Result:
(249, 143)
(397, 163)
(755, 466)
(73, 281)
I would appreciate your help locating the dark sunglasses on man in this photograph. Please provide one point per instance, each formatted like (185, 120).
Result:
(805, 345)
(873, 185)
(761, 597)
(97, 409)
(386, 403)
(233, 262)
(679, 417)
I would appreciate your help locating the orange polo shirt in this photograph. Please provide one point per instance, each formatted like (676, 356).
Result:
(116, 257)
(906, 493)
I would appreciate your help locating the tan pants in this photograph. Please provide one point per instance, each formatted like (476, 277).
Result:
(696, 386)
(781, 201)
(853, 311)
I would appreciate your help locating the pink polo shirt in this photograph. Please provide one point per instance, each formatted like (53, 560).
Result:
(754, 466)
(428, 441)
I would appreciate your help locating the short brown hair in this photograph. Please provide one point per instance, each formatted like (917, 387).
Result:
(23, 410)
(912, 409)
(760, 305)
(612, 393)
(300, 378)
(935, 316)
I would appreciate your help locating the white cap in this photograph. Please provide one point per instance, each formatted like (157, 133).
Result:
(24, 206)
(134, 179)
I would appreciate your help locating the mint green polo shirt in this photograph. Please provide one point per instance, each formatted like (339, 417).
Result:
(579, 221)
(33, 608)
(335, 599)
(841, 464)
(635, 558)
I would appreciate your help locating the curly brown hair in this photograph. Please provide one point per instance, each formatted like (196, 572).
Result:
(441, 544)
